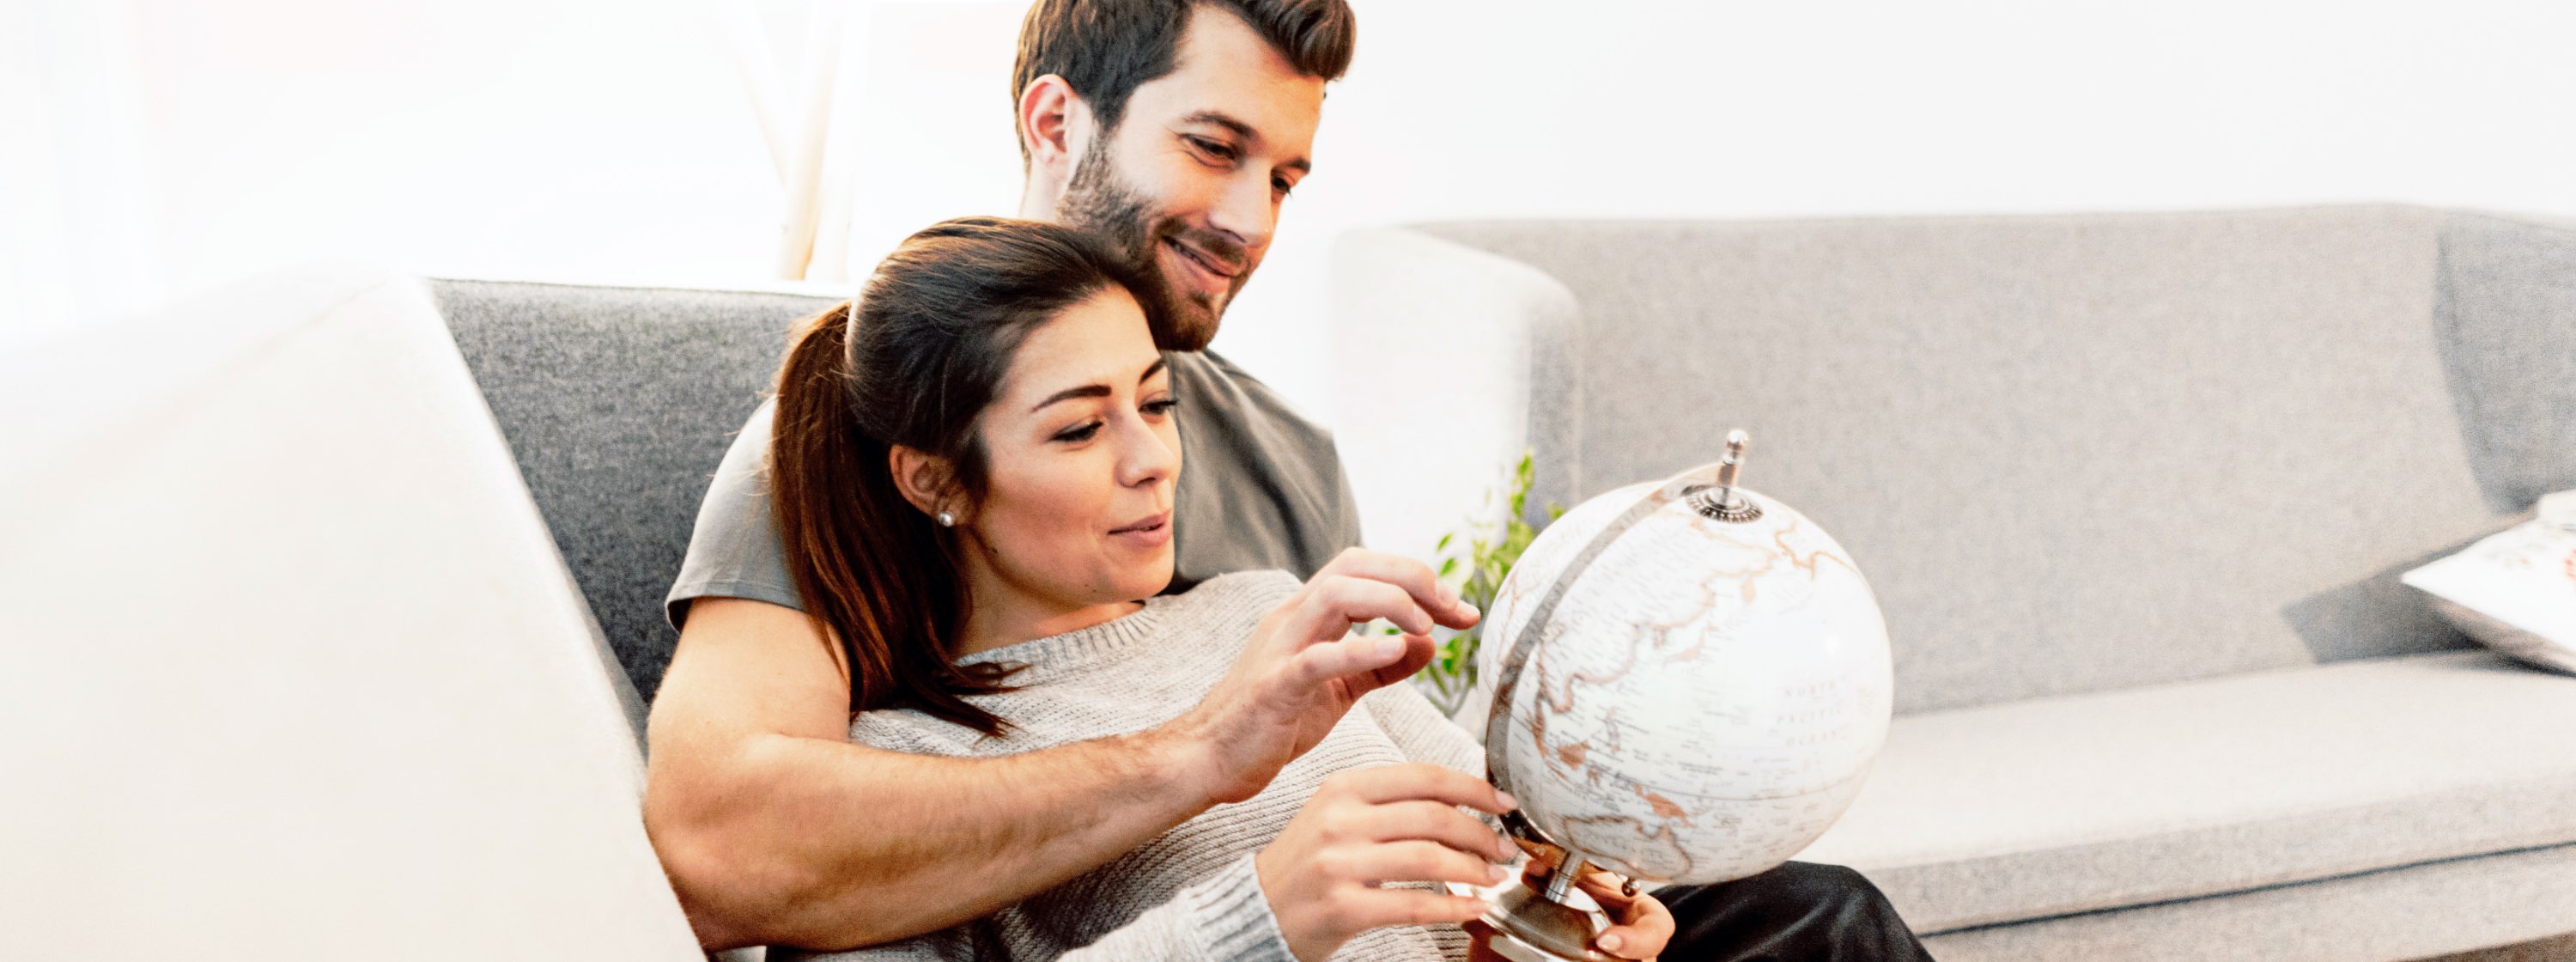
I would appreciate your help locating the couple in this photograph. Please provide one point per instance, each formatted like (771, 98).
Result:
(986, 645)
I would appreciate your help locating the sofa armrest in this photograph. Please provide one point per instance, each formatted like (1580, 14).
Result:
(1448, 361)
(2505, 313)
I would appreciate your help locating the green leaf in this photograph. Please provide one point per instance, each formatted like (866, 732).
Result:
(1492, 546)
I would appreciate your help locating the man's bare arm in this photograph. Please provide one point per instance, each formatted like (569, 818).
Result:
(775, 829)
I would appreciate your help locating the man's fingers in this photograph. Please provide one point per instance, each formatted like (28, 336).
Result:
(1418, 651)
(1420, 861)
(1436, 822)
(1353, 655)
(1427, 782)
(1371, 908)
(1438, 600)
(1335, 602)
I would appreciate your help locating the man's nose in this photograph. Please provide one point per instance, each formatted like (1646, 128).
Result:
(1245, 211)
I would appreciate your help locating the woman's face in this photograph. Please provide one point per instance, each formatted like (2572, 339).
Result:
(1082, 452)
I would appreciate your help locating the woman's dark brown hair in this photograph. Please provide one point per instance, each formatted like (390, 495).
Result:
(911, 361)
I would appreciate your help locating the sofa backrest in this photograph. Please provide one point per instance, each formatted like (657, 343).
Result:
(2083, 452)
(618, 403)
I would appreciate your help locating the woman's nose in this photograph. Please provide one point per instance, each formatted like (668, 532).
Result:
(1145, 458)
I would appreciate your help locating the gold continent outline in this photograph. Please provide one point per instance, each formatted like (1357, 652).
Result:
(1548, 698)
(1562, 699)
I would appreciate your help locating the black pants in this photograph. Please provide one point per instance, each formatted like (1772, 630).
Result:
(1799, 912)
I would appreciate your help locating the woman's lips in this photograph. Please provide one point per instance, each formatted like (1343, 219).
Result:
(1148, 533)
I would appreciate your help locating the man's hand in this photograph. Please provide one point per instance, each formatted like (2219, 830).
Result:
(1369, 826)
(1303, 670)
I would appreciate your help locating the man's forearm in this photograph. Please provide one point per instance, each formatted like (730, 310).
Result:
(830, 845)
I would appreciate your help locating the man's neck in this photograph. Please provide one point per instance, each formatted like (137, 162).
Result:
(1036, 202)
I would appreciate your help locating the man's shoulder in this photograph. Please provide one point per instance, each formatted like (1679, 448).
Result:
(1213, 386)
(1223, 408)
(1257, 470)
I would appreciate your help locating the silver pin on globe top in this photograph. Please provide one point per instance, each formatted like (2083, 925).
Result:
(1723, 502)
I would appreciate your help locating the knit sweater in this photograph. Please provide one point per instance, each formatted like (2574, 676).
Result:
(1190, 893)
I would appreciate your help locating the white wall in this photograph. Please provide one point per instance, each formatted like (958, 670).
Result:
(610, 139)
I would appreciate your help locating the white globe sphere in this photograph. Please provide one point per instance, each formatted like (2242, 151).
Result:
(1705, 696)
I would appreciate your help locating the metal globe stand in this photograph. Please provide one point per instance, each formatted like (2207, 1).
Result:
(1545, 925)
(1559, 922)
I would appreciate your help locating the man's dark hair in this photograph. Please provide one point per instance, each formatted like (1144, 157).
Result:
(1105, 49)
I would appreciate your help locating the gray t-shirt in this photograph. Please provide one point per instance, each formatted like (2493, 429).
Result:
(1260, 487)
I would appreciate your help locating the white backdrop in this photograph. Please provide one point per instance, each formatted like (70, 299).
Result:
(152, 147)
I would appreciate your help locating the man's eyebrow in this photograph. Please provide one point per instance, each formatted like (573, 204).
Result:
(1222, 119)
(1225, 120)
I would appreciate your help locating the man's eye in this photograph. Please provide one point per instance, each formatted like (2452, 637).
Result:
(1079, 433)
(1219, 151)
(1282, 187)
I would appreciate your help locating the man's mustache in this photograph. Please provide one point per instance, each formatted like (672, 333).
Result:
(1223, 251)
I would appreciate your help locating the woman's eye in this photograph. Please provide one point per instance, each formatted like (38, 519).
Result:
(1078, 434)
(1162, 407)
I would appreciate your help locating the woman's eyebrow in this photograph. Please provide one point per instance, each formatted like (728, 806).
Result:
(1068, 394)
(1096, 390)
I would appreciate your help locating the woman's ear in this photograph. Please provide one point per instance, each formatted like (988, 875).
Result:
(926, 480)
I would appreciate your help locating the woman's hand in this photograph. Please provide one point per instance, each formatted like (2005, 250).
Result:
(1640, 925)
(1365, 827)
(1302, 670)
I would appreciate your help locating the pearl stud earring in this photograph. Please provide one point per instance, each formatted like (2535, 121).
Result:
(947, 520)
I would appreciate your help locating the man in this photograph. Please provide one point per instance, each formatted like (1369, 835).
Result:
(1174, 130)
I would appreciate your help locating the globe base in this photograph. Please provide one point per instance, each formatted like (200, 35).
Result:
(1522, 924)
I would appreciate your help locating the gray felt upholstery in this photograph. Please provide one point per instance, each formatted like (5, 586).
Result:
(2087, 452)
(618, 403)
(2134, 492)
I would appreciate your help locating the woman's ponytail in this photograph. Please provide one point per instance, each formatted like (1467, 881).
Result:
(873, 573)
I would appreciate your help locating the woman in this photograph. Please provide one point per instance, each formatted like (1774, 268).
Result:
(973, 468)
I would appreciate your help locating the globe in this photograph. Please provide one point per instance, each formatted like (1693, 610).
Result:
(1690, 679)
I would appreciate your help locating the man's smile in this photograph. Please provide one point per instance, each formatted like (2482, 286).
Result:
(1205, 271)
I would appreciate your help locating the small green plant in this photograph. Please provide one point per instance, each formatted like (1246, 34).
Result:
(1476, 568)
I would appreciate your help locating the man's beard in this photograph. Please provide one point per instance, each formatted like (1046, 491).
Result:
(1099, 201)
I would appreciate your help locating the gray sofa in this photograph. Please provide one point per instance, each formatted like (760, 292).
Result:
(617, 403)
(2134, 492)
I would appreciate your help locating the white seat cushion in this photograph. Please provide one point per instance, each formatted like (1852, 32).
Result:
(289, 665)
(2025, 810)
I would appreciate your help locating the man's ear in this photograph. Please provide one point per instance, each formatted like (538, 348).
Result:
(924, 479)
(1051, 114)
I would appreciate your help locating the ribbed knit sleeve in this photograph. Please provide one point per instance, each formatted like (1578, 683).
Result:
(1421, 732)
(1190, 893)
(1220, 919)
